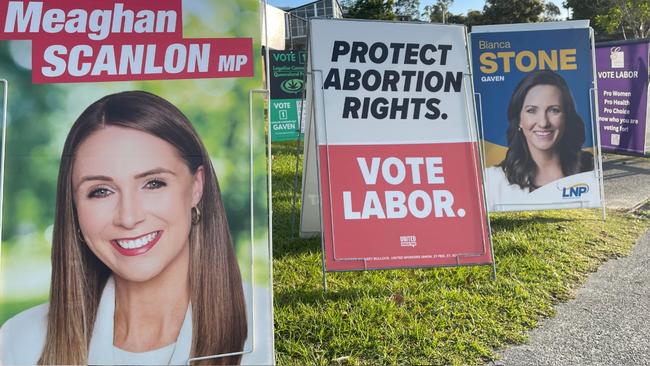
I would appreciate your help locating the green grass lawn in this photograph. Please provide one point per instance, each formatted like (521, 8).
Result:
(432, 316)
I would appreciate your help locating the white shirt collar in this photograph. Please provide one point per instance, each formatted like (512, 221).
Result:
(101, 352)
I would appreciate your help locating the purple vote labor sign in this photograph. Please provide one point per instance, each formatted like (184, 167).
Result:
(622, 69)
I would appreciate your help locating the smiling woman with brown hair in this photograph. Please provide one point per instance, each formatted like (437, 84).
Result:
(143, 267)
(545, 135)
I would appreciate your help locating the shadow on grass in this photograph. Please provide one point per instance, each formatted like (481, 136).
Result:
(317, 295)
(293, 246)
(287, 180)
(286, 148)
(389, 284)
(510, 222)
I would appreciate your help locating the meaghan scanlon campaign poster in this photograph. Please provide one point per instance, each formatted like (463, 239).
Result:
(134, 189)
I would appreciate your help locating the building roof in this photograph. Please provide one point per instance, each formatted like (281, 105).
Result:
(313, 2)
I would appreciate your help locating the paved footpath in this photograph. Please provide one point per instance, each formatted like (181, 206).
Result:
(627, 181)
(608, 323)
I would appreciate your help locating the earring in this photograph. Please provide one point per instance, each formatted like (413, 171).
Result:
(196, 215)
(519, 128)
(80, 236)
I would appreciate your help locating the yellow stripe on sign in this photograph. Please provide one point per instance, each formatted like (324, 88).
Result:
(494, 153)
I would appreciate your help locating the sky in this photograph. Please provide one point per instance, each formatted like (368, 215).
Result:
(458, 7)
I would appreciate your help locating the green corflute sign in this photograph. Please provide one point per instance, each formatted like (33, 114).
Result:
(287, 85)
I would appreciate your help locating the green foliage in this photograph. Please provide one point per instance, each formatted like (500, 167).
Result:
(518, 11)
(611, 20)
(29, 153)
(589, 9)
(371, 9)
(614, 19)
(494, 12)
(551, 12)
(382, 9)
(474, 17)
(434, 15)
(626, 14)
(408, 7)
(431, 316)
(439, 12)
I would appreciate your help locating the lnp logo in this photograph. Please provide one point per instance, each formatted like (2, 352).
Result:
(575, 190)
(292, 85)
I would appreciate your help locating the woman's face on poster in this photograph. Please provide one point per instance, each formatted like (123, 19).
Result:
(134, 194)
(542, 117)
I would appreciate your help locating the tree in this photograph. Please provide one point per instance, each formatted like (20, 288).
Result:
(371, 9)
(474, 17)
(627, 14)
(518, 11)
(589, 9)
(438, 12)
(434, 13)
(551, 12)
(408, 7)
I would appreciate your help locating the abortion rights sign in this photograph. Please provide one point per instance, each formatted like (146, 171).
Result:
(398, 167)
(535, 86)
(623, 96)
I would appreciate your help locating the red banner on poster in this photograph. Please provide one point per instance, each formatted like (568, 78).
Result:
(96, 41)
(66, 62)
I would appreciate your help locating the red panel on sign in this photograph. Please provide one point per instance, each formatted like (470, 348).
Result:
(402, 206)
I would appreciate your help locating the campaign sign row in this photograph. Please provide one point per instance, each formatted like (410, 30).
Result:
(416, 136)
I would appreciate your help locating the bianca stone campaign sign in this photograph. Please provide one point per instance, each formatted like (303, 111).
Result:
(535, 91)
(623, 96)
(398, 164)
